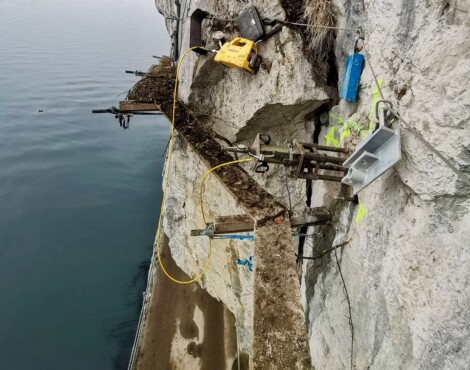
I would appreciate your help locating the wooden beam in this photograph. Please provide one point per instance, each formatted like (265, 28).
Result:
(157, 86)
(279, 334)
(137, 107)
(242, 223)
(279, 331)
(233, 224)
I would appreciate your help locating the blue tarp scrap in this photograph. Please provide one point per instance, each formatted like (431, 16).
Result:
(351, 77)
(239, 237)
(245, 262)
(352, 72)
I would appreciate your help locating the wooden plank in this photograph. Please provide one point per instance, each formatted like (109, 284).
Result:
(241, 223)
(137, 107)
(233, 224)
(157, 87)
(308, 221)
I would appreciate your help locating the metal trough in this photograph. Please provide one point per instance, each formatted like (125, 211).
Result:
(376, 154)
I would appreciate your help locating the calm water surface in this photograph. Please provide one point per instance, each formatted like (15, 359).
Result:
(79, 196)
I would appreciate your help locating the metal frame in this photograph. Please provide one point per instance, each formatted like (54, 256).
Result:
(376, 154)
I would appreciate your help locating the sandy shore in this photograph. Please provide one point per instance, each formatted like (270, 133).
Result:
(186, 328)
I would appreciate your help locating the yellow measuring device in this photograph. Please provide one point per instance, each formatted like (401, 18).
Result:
(239, 53)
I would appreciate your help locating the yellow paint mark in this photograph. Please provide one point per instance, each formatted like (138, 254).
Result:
(351, 125)
(375, 99)
(337, 118)
(330, 138)
(346, 132)
(361, 212)
(355, 125)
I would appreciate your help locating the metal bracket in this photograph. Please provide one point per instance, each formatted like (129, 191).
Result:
(291, 154)
(299, 158)
(195, 31)
(208, 231)
(300, 166)
(260, 165)
(376, 154)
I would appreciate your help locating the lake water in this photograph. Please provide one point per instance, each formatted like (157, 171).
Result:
(79, 196)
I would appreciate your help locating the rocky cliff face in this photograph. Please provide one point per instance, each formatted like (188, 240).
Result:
(406, 268)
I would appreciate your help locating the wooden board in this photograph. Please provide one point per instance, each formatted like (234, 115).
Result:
(137, 107)
(241, 223)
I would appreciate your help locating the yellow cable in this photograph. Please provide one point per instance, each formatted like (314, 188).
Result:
(167, 173)
(208, 173)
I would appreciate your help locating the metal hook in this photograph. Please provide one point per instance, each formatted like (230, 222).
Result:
(356, 48)
(262, 167)
(389, 103)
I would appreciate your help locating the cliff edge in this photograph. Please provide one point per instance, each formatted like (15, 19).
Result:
(397, 295)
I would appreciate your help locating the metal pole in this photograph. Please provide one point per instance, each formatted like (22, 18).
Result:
(331, 167)
(324, 148)
(273, 149)
(320, 177)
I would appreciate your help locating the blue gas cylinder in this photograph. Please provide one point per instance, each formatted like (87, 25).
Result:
(351, 77)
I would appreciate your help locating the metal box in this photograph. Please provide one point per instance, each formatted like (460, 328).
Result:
(351, 77)
(195, 31)
(249, 24)
(237, 54)
(375, 155)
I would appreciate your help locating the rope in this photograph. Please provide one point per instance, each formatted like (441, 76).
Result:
(165, 187)
(379, 88)
(346, 295)
(238, 348)
(295, 24)
(407, 125)
(318, 26)
(325, 251)
(201, 189)
(213, 18)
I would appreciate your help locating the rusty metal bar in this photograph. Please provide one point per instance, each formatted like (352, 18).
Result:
(243, 223)
(325, 148)
(331, 167)
(310, 176)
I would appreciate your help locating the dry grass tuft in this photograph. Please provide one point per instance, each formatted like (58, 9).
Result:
(319, 13)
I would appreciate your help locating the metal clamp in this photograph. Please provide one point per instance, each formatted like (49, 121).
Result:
(122, 120)
(385, 116)
(261, 157)
(358, 48)
(291, 153)
(262, 167)
(209, 230)
(375, 154)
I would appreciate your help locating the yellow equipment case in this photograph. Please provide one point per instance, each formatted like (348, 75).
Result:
(239, 53)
